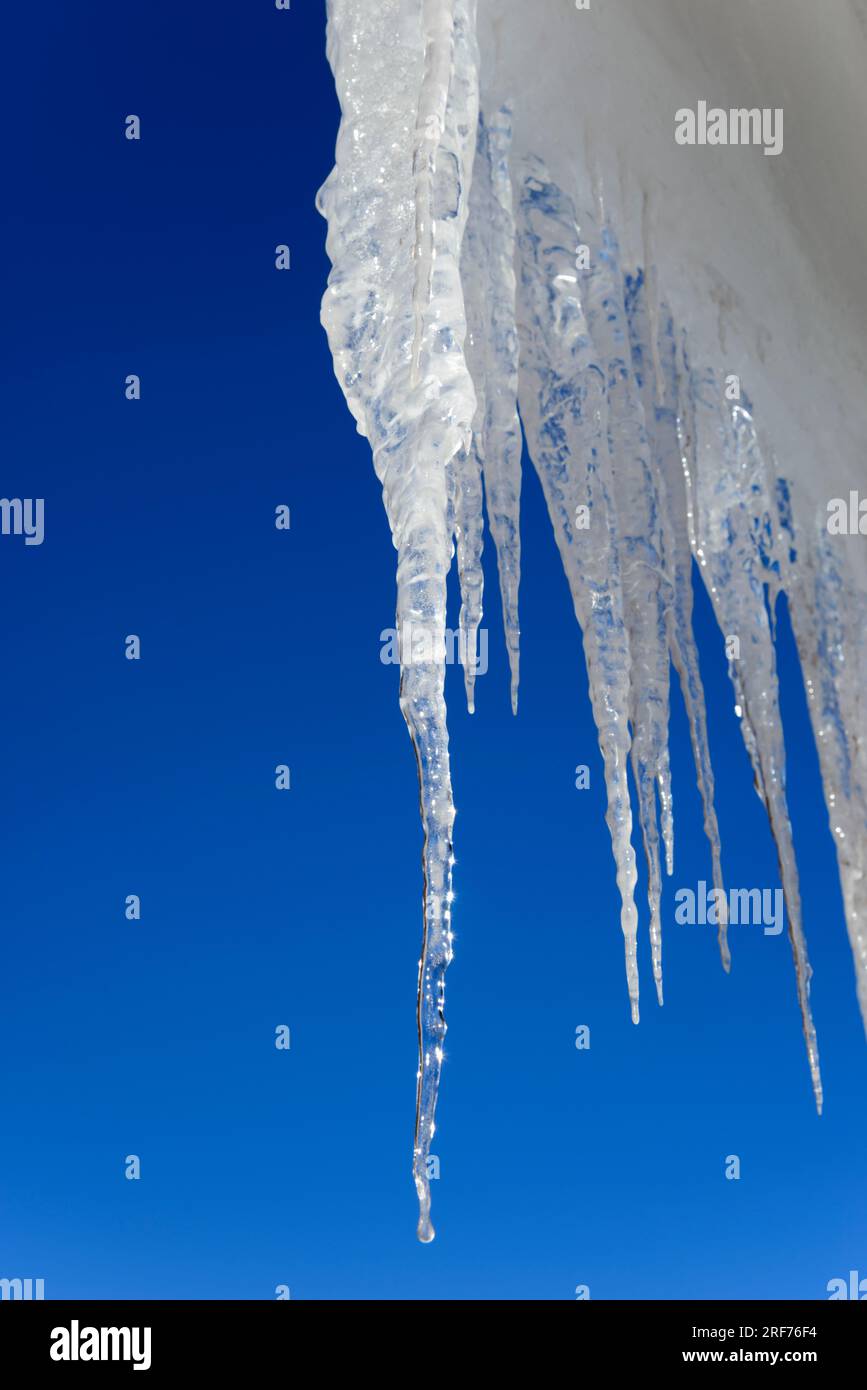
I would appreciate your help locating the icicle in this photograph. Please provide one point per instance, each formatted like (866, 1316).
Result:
(564, 410)
(488, 276)
(660, 385)
(829, 618)
(728, 482)
(469, 505)
(469, 527)
(396, 207)
(646, 588)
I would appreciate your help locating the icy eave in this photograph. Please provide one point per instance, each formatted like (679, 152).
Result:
(762, 258)
(681, 327)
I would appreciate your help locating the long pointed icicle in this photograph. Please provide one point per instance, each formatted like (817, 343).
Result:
(564, 410)
(396, 204)
(727, 479)
(829, 619)
(442, 335)
(660, 386)
(488, 275)
(469, 505)
(644, 580)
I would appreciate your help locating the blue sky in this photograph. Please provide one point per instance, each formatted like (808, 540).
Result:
(259, 908)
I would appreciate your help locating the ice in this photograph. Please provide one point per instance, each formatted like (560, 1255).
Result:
(735, 531)
(647, 589)
(488, 276)
(689, 387)
(655, 361)
(565, 409)
(829, 620)
(396, 204)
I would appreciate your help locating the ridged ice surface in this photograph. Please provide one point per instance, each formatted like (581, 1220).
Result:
(469, 281)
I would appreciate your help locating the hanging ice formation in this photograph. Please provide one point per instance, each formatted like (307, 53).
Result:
(465, 286)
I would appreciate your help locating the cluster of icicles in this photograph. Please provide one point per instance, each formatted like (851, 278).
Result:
(459, 296)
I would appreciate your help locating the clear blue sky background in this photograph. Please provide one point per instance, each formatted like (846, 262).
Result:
(261, 1167)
